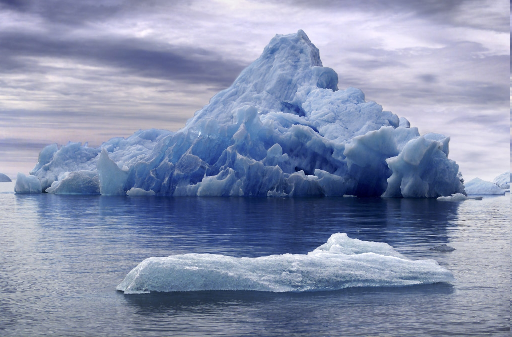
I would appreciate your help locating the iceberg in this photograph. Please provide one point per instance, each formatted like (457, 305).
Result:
(340, 263)
(503, 181)
(4, 178)
(27, 184)
(283, 128)
(479, 186)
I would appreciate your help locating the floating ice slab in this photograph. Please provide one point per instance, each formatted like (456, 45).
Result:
(340, 263)
(479, 186)
(283, 128)
(139, 192)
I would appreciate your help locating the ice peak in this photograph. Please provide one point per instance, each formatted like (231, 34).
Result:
(287, 64)
(293, 47)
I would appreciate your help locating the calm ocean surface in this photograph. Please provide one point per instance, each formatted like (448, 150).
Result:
(61, 258)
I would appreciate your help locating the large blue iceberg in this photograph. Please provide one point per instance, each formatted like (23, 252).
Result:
(340, 263)
(281, 129)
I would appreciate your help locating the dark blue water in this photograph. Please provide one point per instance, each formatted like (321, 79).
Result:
(62, 257)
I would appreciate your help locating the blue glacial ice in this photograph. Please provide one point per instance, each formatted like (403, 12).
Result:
(281, 129)
(340, 263)
(27, 184)
(479, 186)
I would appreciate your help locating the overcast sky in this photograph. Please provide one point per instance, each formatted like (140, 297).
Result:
(90, 70)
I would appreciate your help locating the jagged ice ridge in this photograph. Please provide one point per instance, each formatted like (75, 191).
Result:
(281, 129)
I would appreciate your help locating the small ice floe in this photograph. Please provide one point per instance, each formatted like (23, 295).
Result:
(454, 197)
(139, 192)
(340, 263)
(444, 248)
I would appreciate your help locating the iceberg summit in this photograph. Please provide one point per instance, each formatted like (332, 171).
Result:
(340, 263)
(283, 128)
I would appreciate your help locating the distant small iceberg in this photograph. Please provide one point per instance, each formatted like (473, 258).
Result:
(4, 178)
(479, 186)
(453, 197)
(503, 181)
(340, 263)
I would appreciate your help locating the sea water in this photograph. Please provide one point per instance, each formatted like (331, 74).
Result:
(62, 257)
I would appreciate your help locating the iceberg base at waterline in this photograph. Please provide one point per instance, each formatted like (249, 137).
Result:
(340, 263)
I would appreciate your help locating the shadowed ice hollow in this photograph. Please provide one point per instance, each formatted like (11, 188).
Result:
(283, 128)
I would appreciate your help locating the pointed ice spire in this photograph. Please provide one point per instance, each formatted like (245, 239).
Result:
(287, 63)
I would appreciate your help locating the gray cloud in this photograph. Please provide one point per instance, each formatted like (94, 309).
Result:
(76, 13)
(14, 144)
(428, 78)
(444, 12)
(136, 56)
(376, 63)
(494, 122)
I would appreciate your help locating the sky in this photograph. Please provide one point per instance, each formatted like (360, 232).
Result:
(90, 70)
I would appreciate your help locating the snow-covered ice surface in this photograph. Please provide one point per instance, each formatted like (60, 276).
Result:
(340, 263)
(479, 186)
(281, 129)
(4, 178)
